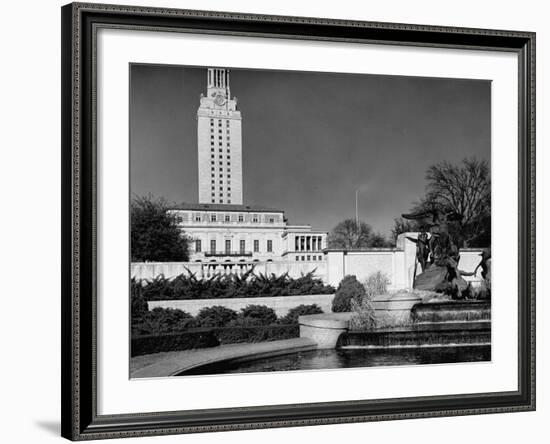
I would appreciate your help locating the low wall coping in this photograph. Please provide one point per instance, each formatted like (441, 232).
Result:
(338, 321)
(173, 363)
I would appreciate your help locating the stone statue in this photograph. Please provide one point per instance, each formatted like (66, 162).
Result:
(442, 273)
(422, 248)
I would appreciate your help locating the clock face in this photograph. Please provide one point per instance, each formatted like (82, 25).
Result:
(219, 100)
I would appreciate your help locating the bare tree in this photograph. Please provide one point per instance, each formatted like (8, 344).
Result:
(349, 235)
(464, 189)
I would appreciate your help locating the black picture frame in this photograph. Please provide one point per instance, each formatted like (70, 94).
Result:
(79, 395)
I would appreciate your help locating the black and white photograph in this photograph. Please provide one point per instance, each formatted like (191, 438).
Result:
(292, 220)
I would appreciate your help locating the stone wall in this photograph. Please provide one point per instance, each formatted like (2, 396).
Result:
(398, 264)
(281, 304)
(150, 270)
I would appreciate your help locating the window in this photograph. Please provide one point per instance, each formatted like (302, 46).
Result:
(255, 218)
(228, 246)
(198, 246)
(269, 246)
(213, 218)
(227, 218)
(242, 245)
(228, 201)
(256, 246)
(197, 217)
(303, 258)
(309, 258)
(297, 258)
(213, 246)
(271, 220)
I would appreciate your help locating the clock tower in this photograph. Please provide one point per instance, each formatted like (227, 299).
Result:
(219, 142)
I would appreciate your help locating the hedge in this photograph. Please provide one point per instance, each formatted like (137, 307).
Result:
(198, 338)
(188, 286)
(241, 333)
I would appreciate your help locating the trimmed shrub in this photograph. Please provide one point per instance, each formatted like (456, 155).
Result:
(162, 321)
(258, 315)
(215, 316)
(292, 316)
(138, 303)
(349, 288)
(198, 338)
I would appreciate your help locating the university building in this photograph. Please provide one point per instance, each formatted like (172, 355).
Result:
(223, 229)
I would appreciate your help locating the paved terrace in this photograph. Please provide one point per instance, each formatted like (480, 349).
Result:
(171, 363)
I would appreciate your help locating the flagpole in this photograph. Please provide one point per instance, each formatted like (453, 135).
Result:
(356, 210)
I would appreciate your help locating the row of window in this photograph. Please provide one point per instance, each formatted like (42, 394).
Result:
(219, 122)
(227, 217)
(242, 246)
(309, 258)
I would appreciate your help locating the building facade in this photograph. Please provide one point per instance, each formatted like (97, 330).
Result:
(242, 233)
(219, 142)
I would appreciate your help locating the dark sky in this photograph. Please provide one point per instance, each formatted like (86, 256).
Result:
(311, 139)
